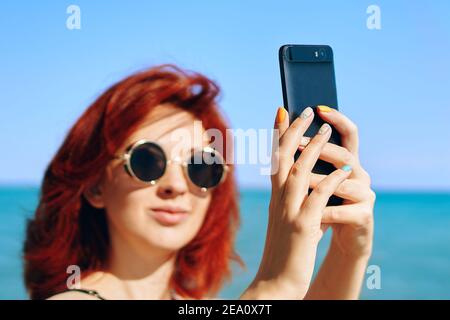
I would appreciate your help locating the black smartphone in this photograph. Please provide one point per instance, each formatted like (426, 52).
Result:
(308, 80)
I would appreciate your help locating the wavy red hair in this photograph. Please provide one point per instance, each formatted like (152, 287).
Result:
(67, 230)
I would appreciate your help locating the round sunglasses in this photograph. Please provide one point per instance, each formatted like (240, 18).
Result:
(146, 162)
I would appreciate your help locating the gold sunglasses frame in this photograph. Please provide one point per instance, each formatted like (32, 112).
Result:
(126, 157)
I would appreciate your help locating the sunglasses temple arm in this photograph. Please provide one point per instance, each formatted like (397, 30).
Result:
(123, 157)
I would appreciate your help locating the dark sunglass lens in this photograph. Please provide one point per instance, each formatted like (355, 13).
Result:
(148, 162)
(206, 169)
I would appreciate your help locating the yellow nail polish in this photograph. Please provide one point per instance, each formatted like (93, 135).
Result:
(281, 115)
(324, 108)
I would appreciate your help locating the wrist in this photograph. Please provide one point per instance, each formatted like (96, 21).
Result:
(273, 290)
(358, 252)
(360, 256)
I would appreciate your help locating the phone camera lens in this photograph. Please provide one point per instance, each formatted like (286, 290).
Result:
(322, 54)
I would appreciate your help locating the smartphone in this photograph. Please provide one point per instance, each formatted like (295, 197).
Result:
(308, 80)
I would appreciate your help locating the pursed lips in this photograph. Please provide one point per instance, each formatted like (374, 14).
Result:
(169, 215)
(171, 209)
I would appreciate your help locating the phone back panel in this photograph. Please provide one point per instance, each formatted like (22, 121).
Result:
(308, 80)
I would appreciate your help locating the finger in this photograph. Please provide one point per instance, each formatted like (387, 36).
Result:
(281, 124)
(340, 156)
(334, 154)
(299, 176)
(318, 198)
(281, 121)
(289, 143)
(349, 189)
(354, 214)
(346, 128)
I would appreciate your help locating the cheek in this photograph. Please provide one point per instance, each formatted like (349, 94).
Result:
(123, 206)
(199, 210)
(125, 202)
(200, 207)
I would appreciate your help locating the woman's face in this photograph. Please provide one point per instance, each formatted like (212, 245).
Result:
(131, 206)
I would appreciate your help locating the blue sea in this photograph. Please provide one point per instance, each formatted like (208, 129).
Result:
(412, 243)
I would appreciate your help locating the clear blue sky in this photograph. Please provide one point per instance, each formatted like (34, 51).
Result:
(394, 82)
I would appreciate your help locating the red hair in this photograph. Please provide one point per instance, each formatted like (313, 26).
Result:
(67, 230)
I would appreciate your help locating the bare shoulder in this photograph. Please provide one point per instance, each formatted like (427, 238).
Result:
(72, 295)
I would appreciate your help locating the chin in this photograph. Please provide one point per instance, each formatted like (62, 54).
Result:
(171, 246)
(172, 239)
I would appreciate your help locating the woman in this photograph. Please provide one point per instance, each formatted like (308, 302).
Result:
(142, 215)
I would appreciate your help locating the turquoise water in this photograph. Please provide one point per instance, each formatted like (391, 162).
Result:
(412, 243)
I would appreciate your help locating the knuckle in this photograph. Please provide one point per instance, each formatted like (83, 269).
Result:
(296, 170)
(348, 157)
(321, 189)
(301, 225)
(334, 213)
(365, 175)
(345, 188)
(366, 217)
(297, 125)
(296, 122)
(339, 175)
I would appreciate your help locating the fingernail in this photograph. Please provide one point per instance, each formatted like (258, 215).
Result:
(281, 115)
(306, 113)
(324, 128)
(347, 167)
(304, 141)
(324, 108)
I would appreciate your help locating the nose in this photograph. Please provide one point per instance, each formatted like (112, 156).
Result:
(173, 182)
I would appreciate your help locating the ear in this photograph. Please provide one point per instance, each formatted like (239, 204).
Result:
(94, 196)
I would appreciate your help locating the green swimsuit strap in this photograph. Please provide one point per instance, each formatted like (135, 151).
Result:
(97, 295)
(89, 292)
